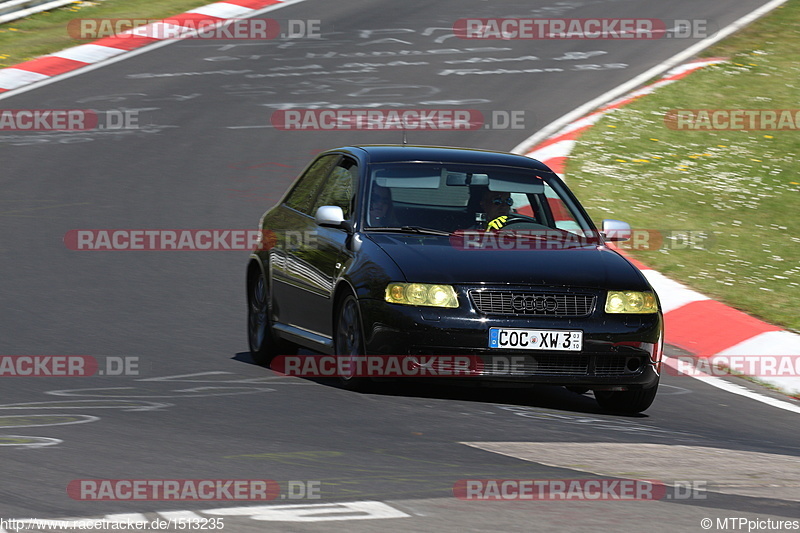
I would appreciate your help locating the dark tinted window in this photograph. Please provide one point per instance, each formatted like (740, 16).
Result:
(305, 191)
(340, 187)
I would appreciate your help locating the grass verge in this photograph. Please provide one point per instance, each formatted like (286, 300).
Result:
(740, 187)
(45, 33)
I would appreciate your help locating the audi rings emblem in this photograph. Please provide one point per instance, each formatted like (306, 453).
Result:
(530, 302)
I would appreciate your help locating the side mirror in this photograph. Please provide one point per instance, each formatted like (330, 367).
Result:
(616, 230)
(331, 216)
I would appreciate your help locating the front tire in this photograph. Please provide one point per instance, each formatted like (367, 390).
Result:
(264, 344)
(630, 401)
(349, 340)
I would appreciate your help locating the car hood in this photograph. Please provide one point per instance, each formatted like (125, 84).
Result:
(435, 259)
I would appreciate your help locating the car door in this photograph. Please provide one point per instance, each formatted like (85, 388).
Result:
(293, 226)
(319, 262)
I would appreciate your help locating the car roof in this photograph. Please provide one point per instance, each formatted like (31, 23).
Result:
(385, 153)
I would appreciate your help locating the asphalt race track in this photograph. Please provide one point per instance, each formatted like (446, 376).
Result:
(206, 156)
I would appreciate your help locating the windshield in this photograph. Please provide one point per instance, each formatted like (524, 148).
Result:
(452, 197)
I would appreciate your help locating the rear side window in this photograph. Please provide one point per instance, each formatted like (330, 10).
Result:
(305, 190)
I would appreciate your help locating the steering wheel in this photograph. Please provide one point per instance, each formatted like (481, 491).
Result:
(504, 221)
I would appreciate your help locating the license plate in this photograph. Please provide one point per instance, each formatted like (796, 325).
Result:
(535, 339)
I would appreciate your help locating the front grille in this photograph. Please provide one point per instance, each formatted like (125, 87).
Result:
(538, 365)
(562, 365)
(508, 302)
(614, 365)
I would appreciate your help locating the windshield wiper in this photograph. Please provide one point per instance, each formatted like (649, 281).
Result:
(411, 229)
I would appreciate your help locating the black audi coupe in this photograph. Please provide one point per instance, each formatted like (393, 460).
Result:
(418, 252)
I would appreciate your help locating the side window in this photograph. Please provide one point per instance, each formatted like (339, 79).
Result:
(561, 214)
(305, 190)
(340, 187)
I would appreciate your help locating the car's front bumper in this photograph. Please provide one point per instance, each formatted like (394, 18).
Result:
(619, 351)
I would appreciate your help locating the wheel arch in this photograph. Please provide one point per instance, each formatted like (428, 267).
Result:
(342, 290)
(254, 266)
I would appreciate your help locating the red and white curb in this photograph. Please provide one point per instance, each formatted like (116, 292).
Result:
(693, 322)
(77, 57)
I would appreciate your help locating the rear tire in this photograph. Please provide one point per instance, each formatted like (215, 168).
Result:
(630, 401)
(349, 340)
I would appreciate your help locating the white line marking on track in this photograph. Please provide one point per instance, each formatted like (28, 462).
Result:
(124, 517)
(180, 516)
(738, 389)
(318, 512)
(24, 441)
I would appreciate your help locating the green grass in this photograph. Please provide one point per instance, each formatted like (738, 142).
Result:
(741, 186)
(45, 33)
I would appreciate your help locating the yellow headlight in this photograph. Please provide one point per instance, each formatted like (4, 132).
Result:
(634, 302)
(395, 292)
(438, 295)
(421, 294)
(416, 293)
